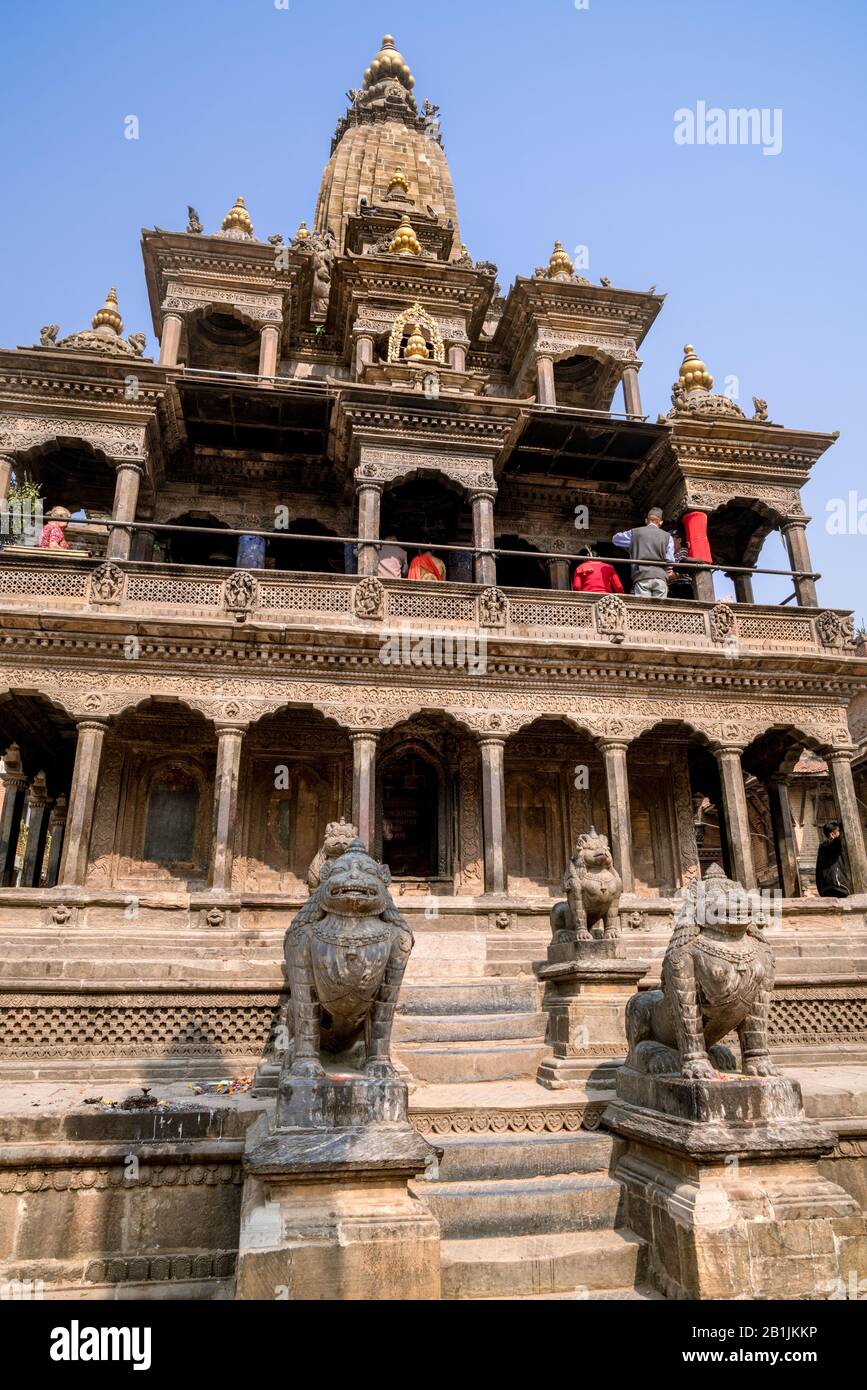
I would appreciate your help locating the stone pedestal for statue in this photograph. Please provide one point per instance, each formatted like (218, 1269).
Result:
(720, 1177)
(587, 986)
(326, 1212)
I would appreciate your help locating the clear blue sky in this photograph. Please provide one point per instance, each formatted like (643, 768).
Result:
(558, 123)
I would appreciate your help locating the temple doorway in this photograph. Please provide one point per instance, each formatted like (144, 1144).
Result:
(410, 800)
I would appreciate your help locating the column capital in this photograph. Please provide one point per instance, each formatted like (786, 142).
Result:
(491, 740)
(359, 735)
(481, 494)
(37, 794)
(58, 811)
(132, 465)
(840, 755)
(93, 722)
(723, 750)
(370, 485)
(794, 523)
(613, 745)
(13, 775)
(228, 730)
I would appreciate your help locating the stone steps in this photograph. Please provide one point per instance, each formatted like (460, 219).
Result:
(491, 1059)
(428, 1028)
(522, 1155)
(487, 995)
(551, 1205)
(595, 1261)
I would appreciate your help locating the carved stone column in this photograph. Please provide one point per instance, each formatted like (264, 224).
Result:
(269, 344)
(363, 352)
(743, 587)
(170, 341)
(483, 537)
(840, 771)
(619, 816)
(364, 784)
(734, 798)
(784, 836)
(458, 357)
(82, 800)
(39, 806)
(631, 393)
(7, 466)
(129, 475)
(545, 390)
(369, 499)
(230, 738)
(558, 573)
(795, 536)
(494, 813)
(14, 792)
(57, 830)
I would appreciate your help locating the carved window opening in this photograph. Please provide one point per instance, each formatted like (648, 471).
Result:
(186, 548)
(514, 571)
(410, 803)
(223, 342)
(285, 552)
(434, 513)
(172, 817)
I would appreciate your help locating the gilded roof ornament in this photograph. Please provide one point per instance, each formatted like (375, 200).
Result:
(237, 222)
(691, 393)
(559, 263)
(416, 349)
(303, 232)
(388, 63)
(405, 242)
(397, 181)
(102, 336)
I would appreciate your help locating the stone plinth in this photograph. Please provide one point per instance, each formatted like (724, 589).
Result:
(721, 1178)
(587, 986)
(326, 1212)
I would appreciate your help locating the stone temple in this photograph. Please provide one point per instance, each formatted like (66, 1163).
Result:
(217, 667)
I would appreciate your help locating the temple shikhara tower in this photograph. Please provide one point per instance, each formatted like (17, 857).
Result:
(319, 522)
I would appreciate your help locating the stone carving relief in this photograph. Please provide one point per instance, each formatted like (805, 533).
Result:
(369, 599)
(240, 591)
(611, 617)
(493, 606)
(106, 583)
(835, 630)
(257, 308)
(723, 623)
(550, 343)
(391, 465)
(21, 432)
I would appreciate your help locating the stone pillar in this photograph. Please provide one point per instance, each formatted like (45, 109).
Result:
(558, 573)
(795, 536)
(57, 830)
(39, 806)
(458, 357)
(743, 587)
(269, 344)
(494, 813)
(839, 762)
(363, 353)
(7, 466)
(170, 342)
(129, 474)
(82, 800)
(14, 792)
(734, 798)
(364, 785)
(784, 836)
(631, 394)
(702, 585)
(369, 497)
(483, 537)
(545, 390)
(230, 738)
(619, 818)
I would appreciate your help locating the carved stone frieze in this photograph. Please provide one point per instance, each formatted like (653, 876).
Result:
(493, 607)
(106, 583)
(611, 617)
(116, 440)
(369, 599)
(836, 630)
(707, 496)
(551, 343)
(240, 591)
(723, 623)
(390, 465)
(258, 308)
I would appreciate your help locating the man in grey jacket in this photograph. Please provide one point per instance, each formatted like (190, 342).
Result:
(652, 550)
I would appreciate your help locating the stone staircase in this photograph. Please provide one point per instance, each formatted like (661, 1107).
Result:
(523, 1195)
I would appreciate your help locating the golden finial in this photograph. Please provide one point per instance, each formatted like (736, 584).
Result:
(389, 63)
(398, 180)
(405, 242)
(109, 314)
(559, 263)
(303, 232)
(694, 375)
(237, 219)
(416, 349)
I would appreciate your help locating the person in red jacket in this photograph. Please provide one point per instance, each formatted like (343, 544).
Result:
(594, 576)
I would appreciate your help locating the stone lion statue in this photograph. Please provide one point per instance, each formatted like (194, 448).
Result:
(346, 952)
(339, 835)
(717, 976)
(593, 888)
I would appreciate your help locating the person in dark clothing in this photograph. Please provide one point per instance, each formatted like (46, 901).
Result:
(831, 878)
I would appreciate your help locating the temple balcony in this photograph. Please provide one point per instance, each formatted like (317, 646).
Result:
(46, 588)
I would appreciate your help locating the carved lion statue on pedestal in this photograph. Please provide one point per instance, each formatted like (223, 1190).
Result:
(346, 952)
(717, 976)
(593, 888)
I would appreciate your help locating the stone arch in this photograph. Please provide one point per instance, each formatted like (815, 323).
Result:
(416, 314)
(518, 572)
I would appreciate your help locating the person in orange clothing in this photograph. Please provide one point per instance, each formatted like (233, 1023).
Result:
(426, 566)
(595, 576)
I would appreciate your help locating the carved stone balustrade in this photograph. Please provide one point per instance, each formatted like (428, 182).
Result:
(182, 593)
